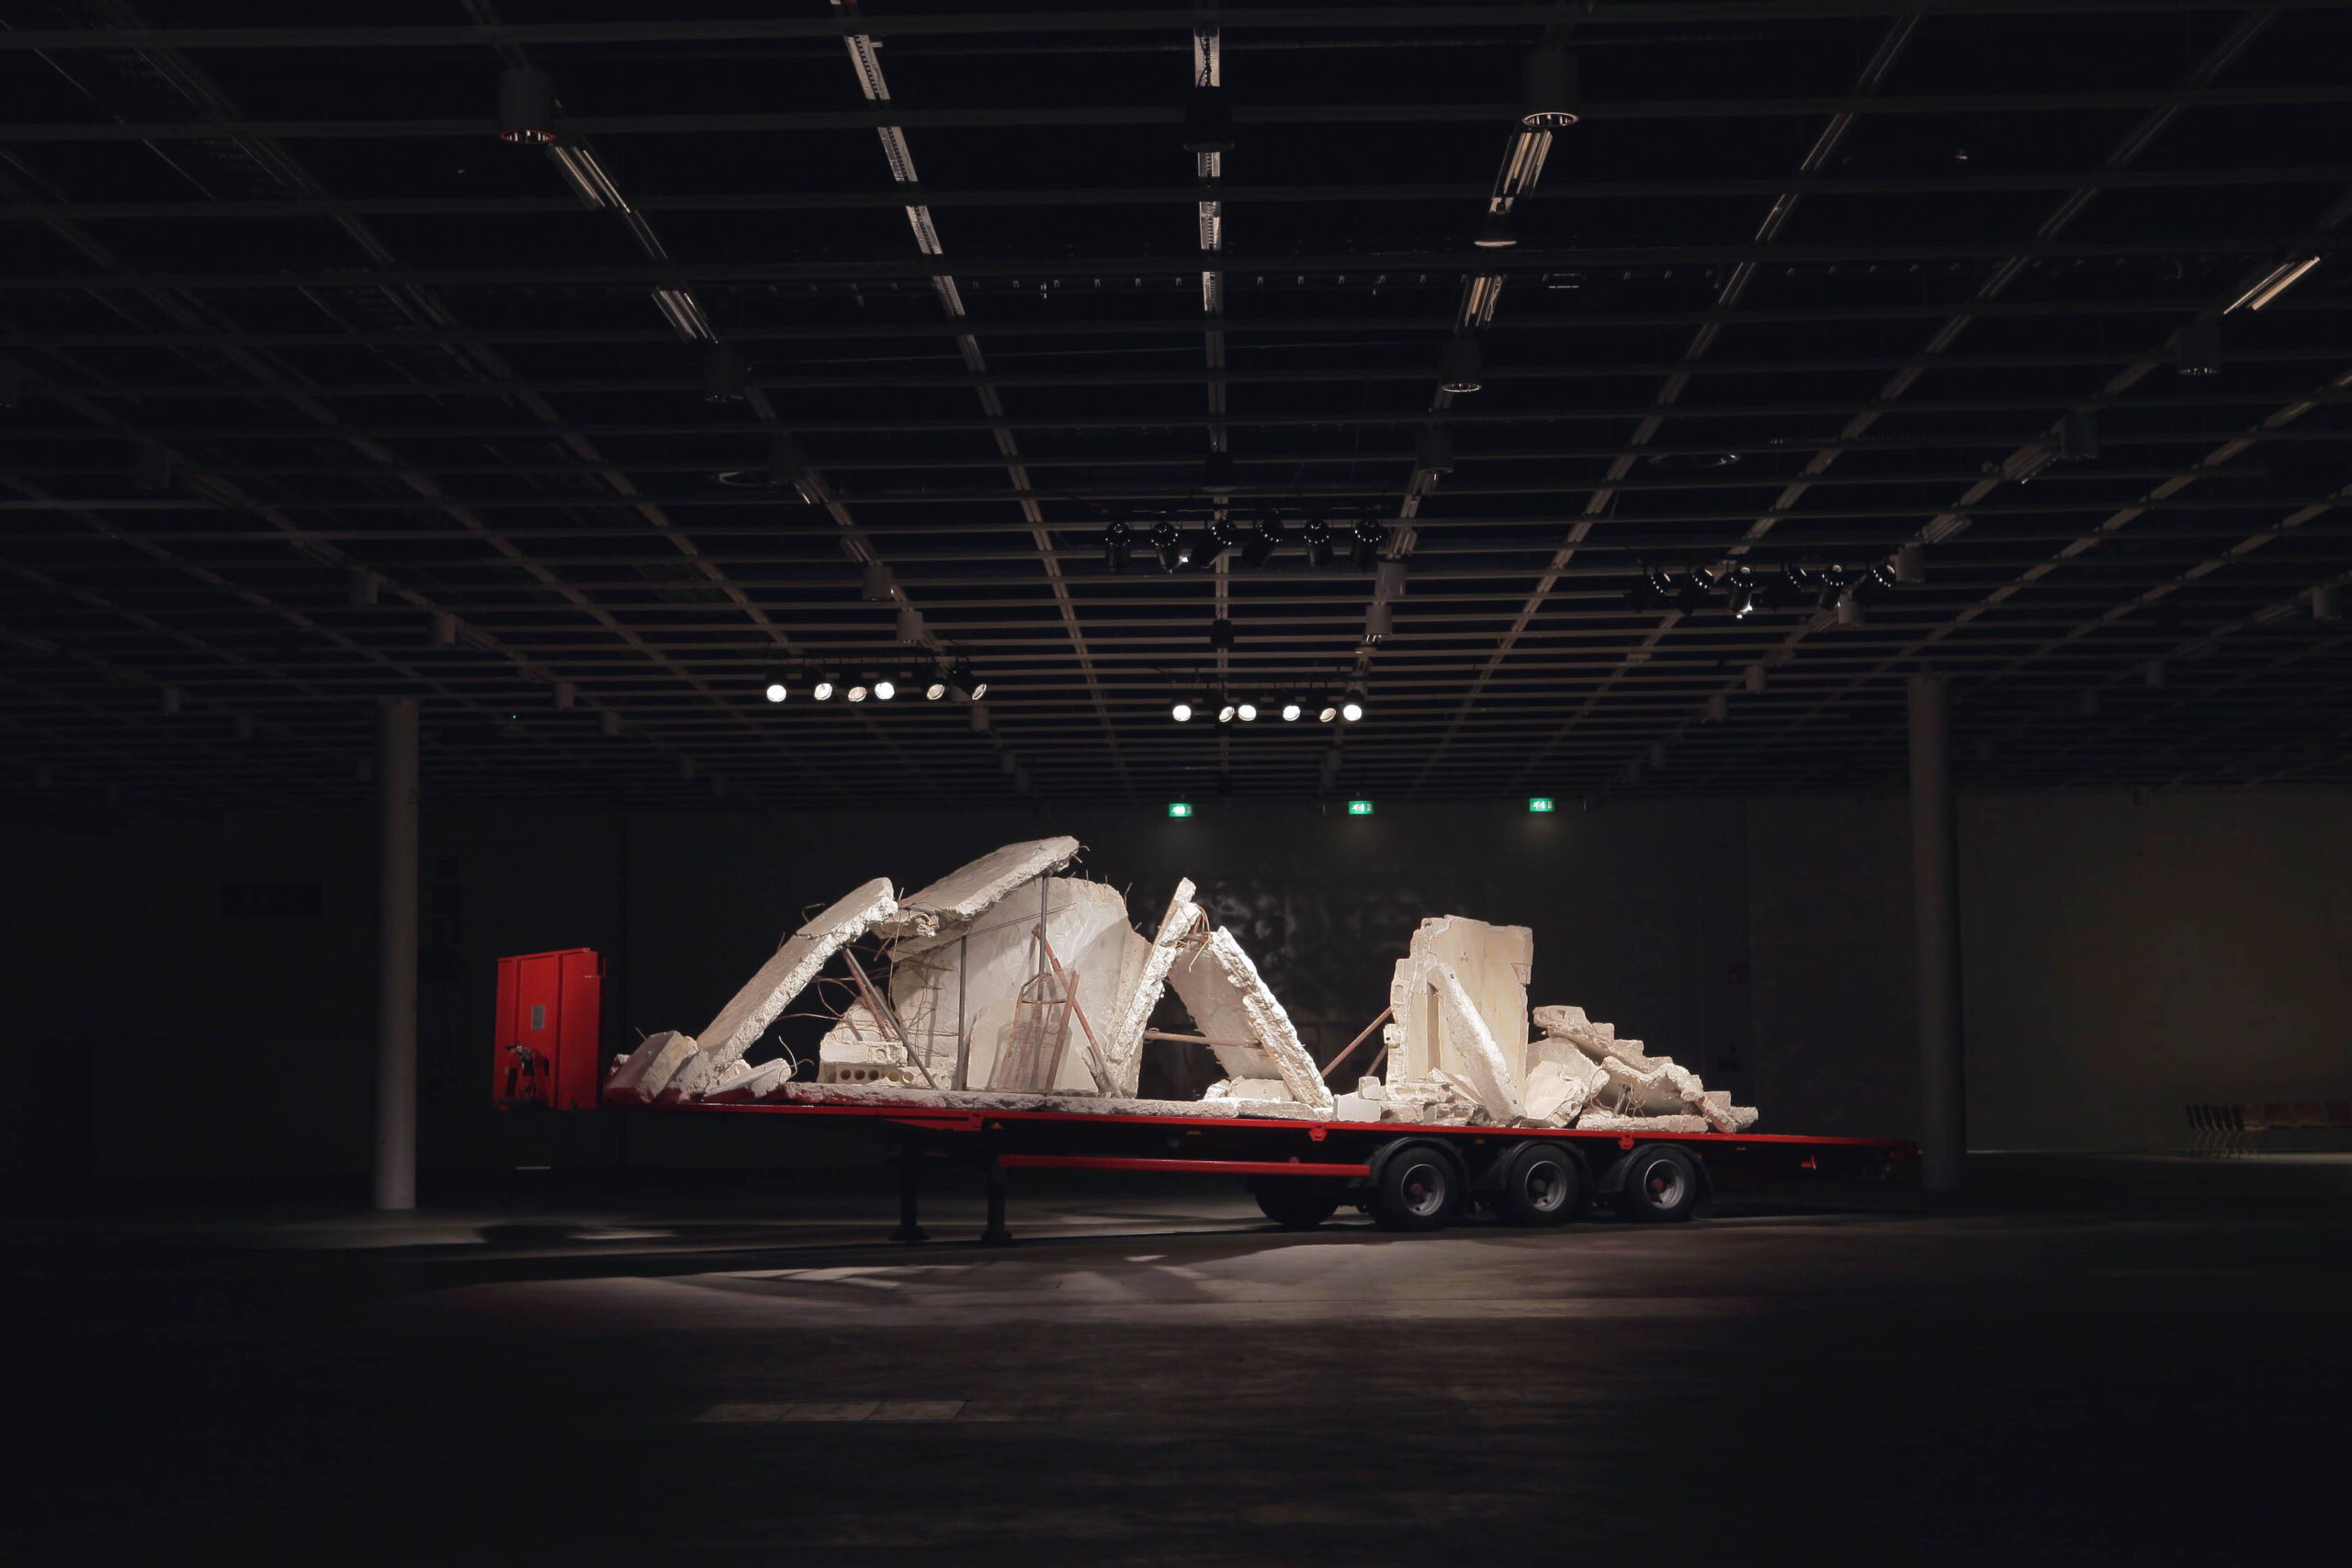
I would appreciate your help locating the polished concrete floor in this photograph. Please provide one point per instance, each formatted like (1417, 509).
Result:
(2110, 1367)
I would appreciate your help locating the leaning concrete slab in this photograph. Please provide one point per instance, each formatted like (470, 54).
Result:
(1125, 1047)
(1482, 1064)
(649, 1068)
(784, 975)
(1220, 969)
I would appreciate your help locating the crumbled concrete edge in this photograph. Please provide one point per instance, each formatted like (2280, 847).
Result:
(1610, 1122)
(1637, 1074)
(971, 889)
(1271, 1025)
(1126, 1037)
(1488, 1074)
(647, 1070)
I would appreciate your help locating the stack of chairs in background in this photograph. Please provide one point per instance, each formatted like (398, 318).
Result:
(2274, 1126)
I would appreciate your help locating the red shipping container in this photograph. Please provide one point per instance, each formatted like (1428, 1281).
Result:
(550, 1030)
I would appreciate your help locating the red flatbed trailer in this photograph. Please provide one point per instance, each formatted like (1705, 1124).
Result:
(1406, 1176)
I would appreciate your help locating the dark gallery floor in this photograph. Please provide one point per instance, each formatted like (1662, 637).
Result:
(2087, 1362)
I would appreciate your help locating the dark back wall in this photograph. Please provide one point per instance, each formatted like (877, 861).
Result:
(194, 998)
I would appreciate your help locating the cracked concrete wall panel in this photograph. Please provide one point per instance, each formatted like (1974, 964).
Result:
(964, 894)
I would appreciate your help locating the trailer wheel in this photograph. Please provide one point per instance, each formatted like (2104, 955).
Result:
(1297, 1202)
(1416, 1189)
(1540, 1185)
(1660, 1184)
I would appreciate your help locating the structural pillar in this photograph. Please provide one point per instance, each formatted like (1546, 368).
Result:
(396, 791)
(1935, 894)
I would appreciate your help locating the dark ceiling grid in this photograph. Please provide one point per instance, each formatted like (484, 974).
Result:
(575, 158)
(1947, 524)
(1601, 502)
(867, 65)
(1089, 382)
(273, 167)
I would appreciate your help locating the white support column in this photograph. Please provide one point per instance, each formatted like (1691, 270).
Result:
(396, 791)
(1935, 885)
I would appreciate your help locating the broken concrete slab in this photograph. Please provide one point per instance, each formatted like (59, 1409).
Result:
(1491, 961)
(964, 894)
(1492, 1079)
(796, 961)
(651, 1068)
(1126, 1048)
(1230, 1000)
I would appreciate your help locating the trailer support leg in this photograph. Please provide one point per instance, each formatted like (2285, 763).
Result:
(910, 1196)
(996, 1235)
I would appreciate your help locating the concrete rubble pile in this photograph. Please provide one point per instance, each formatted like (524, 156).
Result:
(1007, 985)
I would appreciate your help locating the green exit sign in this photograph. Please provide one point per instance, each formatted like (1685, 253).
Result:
(1539, 803)
(1358, 808)
(1180, 808)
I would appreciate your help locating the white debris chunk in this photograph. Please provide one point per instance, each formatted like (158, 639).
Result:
(1651, 1091)
(964, 894)
(1555, 1093)
(1124, 1047)
(784, 975)
(1612, 1121)
(1492, 963)
(637, 1079)
(753, 1083)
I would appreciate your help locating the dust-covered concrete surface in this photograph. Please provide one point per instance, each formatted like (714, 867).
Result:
(2118, 1371)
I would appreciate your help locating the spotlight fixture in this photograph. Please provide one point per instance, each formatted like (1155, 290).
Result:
(1168, 540)
(787, 464)
(1495, 234)
(1547, 90)
(2196, 349)
(1221, 633)
(1434, 450)
(2276, 282)
(858, 690)
(1208, 123)
(1740, 587)
(1692, 592)
(1224, 711)
(884, 689)
(1316, 537)
(1379, 620)
(777, 690)
(725, 373)
(1365, 537)
(1458, 367)
(1910, 565)
(1181, 711)
(1291, 710)
(526, 106)
(936, 687)
(825, 686)
(965, 681)
(1352, 705)
(1328, 711)
(1218, 476)
(878, 586)
(1265, 539)
(1118, 543)
(1222, 533)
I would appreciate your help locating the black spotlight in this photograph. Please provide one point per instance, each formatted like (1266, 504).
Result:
(1316, 537)
(787, 464)
(965, 682)
(1834, 581)
(1435, 450)
(1495, 233)
(1221, 633)
(1365, 537)
(1645, 594)
(526, 106)
(1265, 539)
(1168, 540)
(1548, 81)
(2197, 349)
(1222, 533)
(1457, 366)
(1118, 543)
(725, 373)
(1692, 592)
(1208, 123)
(1218, 473)
(1801, 581)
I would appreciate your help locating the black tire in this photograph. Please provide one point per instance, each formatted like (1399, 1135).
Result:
(1539, 1184)
(1661, 1184)
(1416, 1189)
(1297, 1202)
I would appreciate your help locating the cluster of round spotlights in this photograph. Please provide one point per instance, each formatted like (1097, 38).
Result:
(958, 680)
(1346, 707)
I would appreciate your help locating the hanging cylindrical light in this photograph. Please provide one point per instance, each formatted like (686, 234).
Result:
(1316, 537)
(725, 373)
(1548, 90)
(1458, 366)
(1208, 123)
(525, 106)
(1168, 540)
(1118, 543)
